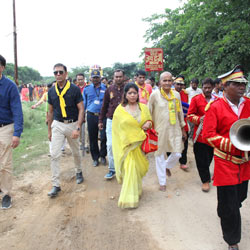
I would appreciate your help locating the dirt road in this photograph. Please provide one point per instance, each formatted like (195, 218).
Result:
(86, 216)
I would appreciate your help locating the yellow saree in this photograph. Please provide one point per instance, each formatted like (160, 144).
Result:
(131, 163)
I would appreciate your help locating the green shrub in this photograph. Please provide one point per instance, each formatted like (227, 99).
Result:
(34, 140)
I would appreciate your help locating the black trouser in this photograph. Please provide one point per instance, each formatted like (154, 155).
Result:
(203, 157)
(93, 130)
(183, 159)
(229, 203)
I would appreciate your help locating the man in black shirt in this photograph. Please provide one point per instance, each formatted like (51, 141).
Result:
(66, 111)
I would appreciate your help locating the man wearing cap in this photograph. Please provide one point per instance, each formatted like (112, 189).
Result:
(202, 152)
(178, 84)
(231, 168)
(145, 89)
(93, 96)
(11, 128)
(112, 98)
(65, 118)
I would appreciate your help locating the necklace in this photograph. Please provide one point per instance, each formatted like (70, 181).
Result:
(132, 108)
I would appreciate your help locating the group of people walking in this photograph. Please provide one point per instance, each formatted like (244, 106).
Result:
(119, 116)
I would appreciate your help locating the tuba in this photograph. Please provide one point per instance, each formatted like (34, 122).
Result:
(240, 135)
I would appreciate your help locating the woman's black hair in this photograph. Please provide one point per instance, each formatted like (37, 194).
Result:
(127, 87)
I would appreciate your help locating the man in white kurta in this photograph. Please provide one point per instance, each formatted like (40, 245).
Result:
(169, 123)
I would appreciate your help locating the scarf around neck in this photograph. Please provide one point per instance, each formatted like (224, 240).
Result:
(61, 99)
(171, 105)
(144, 91)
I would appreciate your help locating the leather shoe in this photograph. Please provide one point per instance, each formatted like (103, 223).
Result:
(103, 161)
(205, 187)
(79, 178)
(95, 163)
(54, 191)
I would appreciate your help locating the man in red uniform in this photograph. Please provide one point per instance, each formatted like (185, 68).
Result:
(231, 169)
(178, 84)
(80, 82)
(202, 152)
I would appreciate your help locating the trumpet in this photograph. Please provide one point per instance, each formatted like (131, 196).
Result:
(240, 135)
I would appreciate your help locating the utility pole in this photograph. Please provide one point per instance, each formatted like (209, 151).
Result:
(15, 41)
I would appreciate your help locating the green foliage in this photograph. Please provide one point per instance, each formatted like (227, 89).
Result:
(48, 79)
(129, 69)
(33, 149)
(25, 74)
(9, 69)
(108, 72)
(33, 117)
(82, 69)
(203, 38)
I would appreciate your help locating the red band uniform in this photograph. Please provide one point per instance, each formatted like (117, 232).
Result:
(203, 153)
(231, 172)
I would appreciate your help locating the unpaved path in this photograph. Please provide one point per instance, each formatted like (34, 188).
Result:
(86, 216)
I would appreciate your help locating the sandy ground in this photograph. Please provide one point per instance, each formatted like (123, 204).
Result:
(86, 216)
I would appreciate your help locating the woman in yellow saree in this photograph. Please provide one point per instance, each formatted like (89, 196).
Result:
(130, 120)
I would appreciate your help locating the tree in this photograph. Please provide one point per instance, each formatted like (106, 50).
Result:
(203, 38)
(129, 69)
(25, 74)
(77, 70)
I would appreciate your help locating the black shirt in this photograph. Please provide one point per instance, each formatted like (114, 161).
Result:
(72, 97)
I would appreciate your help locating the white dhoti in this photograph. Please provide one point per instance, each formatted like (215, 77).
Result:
(162, 165)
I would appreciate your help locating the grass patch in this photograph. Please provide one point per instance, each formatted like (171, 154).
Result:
(33, 149)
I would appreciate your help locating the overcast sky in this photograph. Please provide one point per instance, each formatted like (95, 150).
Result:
(77, 32)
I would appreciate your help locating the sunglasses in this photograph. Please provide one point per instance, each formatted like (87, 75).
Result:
(60, 72)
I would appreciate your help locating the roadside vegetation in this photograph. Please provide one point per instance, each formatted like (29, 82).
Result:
(32, 153)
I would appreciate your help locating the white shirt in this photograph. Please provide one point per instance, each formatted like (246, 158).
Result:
(191, 93)
(220, 94)
(234, 107)
(155, 88)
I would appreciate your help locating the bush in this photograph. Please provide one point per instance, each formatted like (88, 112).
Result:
(34, 141)
(32, 117)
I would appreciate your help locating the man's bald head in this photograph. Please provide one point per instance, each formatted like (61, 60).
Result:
(166, 73)
(166, 81)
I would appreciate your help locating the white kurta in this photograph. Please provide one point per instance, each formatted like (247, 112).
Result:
(169, 136)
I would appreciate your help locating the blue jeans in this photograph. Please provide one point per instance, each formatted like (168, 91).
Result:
(109, 145)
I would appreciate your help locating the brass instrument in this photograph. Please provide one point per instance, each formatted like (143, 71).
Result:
(240, 135)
